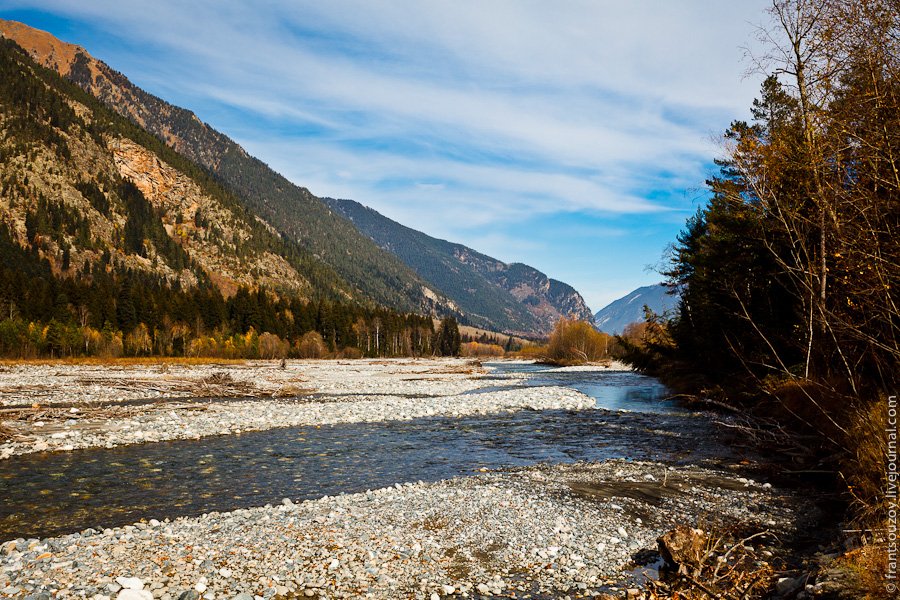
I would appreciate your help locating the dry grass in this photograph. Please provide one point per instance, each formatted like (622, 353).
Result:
(864, 469)
(125, 361)
(868, 565)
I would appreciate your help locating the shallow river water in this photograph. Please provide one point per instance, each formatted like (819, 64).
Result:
(54, 493)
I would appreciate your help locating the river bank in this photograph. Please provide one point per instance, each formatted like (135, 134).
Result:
(546, 529)
(538, 482)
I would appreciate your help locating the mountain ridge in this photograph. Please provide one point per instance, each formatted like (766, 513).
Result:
(369, 271)
(291, 209)
(82, 184)
(485, 288)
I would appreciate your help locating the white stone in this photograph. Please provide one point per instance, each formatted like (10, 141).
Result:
(129, 594)
(130, 583)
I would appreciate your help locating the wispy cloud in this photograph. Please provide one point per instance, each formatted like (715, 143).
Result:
(470, 120)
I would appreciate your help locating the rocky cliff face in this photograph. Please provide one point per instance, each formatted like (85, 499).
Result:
(79, 190)
(211, 234)
(368, 271)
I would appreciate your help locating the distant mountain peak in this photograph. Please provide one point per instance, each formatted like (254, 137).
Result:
(615, 316)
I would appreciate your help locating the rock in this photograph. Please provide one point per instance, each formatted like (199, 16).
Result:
(435, 596)
(225, 572)
(482, 588)
(132, 594)
(130, 583)
(683, 548)
(448, 589)
(787, 586)
(243, 596)
(189, 595)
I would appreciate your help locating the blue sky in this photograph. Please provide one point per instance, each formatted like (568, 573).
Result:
(572, 136)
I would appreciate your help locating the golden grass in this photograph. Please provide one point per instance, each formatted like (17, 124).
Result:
(125, 361)
(865, 468)
(868, 566)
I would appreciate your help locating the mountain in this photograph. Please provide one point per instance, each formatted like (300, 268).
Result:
(490, 293)
(413, 272)
(630, 309)
(81, 186)
(112, 243)
(370, 272)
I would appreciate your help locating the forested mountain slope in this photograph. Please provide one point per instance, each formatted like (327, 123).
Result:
(82, 185)
(511, 297)
(293, 210)
(112, 243)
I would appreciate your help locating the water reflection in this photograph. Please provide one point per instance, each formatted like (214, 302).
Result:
(613, 390)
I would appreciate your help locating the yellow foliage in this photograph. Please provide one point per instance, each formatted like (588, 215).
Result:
(476, 349)
(575, 342)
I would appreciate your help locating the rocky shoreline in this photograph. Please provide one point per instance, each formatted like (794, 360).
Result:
(57, 407)
(568, 529)
(156, 423)
(543, 531)
(49, 384)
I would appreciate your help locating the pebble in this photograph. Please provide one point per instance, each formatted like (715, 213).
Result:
(132, 594)
(381, 541)
(452, 395)
(130, 583)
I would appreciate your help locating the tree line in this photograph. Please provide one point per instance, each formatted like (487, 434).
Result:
(109, 310)
(788, 276)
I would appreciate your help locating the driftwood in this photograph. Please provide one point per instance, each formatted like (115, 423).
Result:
(705, 566)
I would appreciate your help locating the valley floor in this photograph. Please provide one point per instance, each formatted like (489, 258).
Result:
(545, 529)
(64, 407)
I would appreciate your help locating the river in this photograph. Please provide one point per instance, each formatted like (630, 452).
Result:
(54, 493)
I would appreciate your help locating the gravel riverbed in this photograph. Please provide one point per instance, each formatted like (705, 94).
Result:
(156, 423)
(55, 406)
(567, 529)
(52, 384)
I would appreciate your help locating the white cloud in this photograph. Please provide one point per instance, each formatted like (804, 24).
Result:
(455, 116)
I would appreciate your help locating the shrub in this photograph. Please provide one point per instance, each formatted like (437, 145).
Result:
(311, 345)
(272, 346)
(576, 342)
(350, 352)
(533, 352)
(479, 350)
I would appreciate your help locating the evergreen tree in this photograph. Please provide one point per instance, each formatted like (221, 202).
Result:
(447, 339)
